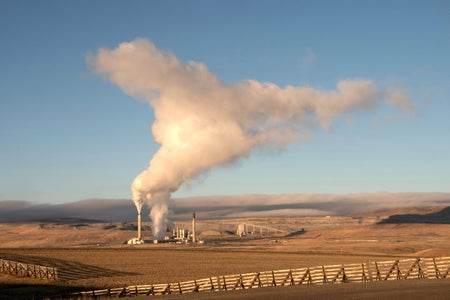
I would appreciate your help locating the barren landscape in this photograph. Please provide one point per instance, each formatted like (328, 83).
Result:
(94, 256)
(224, 150)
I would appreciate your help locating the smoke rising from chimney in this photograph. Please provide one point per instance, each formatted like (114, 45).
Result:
(202, 122)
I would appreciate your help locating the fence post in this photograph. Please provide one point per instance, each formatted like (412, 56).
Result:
(224, 283)
(324, 279)
(151, 291)
(196, 286)
(344, 276)
(259, 280)
(378, 272)
(399, 273)
(218, 283)
(421, 274)
(438, 274)
(212, 284)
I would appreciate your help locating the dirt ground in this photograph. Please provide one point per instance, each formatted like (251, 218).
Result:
(87, 269)
(131, 266)
(92, 257)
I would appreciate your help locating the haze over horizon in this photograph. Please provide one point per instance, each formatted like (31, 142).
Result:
(225, 207)
(67, 135)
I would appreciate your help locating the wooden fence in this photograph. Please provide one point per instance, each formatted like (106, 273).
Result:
(28, 270)
(416, 268)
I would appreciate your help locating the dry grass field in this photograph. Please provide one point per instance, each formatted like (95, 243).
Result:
(93, 256)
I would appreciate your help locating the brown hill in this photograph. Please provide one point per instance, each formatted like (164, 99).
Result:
(440, 217)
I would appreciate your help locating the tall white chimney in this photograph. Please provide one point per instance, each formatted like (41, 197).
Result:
(193, 228)
(139, 227)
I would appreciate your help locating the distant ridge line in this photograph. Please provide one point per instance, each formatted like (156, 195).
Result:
(440, 217)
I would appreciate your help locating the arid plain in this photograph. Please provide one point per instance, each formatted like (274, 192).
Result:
(94, 256)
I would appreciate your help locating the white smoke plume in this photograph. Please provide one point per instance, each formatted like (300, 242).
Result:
(202, 122)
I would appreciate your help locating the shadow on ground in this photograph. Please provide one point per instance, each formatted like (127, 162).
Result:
(67, 270)
(15, 291)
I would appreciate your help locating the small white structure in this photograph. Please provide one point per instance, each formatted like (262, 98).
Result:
(241, 230)
(183, 235)
(135, 241)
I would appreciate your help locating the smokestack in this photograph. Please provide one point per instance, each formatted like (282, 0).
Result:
(193, 228)
(139, 227)
(203, 123)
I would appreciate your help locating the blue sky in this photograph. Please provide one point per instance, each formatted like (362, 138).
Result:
(66, 134)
